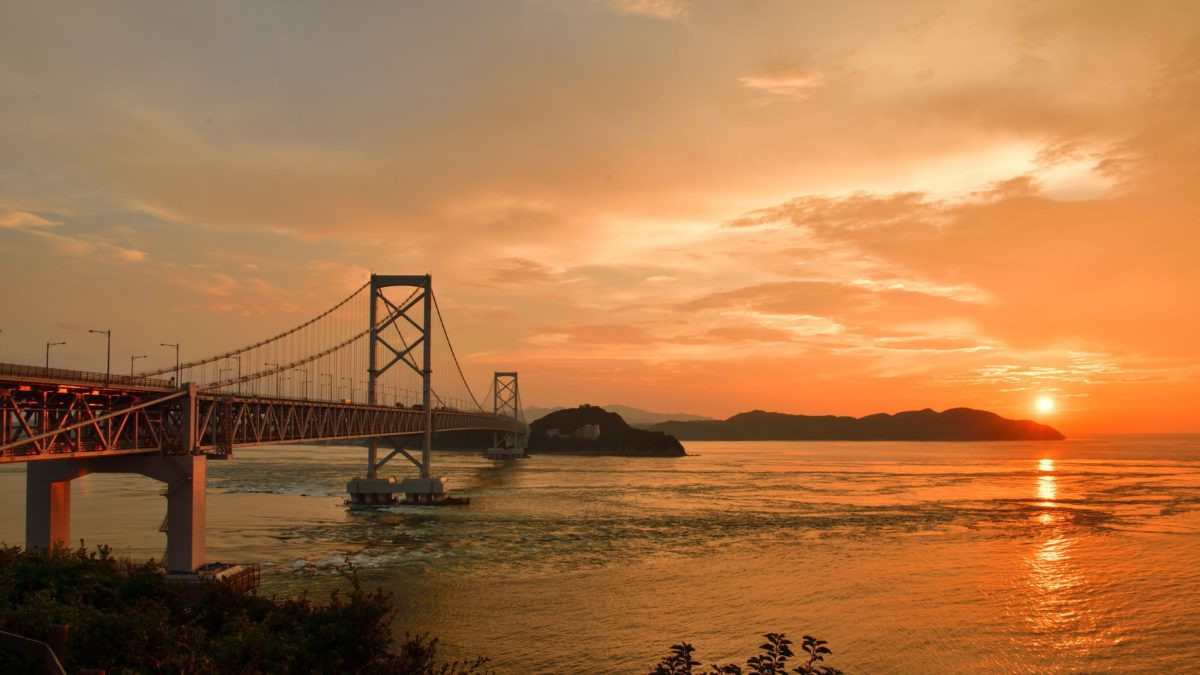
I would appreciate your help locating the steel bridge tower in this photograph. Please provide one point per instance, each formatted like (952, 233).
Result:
(506, 401)
(383, 354)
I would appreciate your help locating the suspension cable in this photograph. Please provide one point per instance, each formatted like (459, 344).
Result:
(211, 359)
(286, 366)
(452, 354)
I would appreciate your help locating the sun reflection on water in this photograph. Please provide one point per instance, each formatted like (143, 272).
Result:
(1047, 486)
(1058, 606)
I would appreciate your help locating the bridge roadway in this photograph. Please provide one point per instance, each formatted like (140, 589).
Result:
(67, 424)
(58, 414)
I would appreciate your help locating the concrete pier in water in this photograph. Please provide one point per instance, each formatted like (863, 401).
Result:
(48, 501)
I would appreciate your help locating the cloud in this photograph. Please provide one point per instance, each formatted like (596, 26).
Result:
(741, 333)
(787, 82)
(841, 301)
(596, 334)
(521, 271)
(64, 243)
(969, 190)
(16, 220)
(657, 9)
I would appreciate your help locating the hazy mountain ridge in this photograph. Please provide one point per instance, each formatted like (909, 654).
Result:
(954, 424)
(636, 417)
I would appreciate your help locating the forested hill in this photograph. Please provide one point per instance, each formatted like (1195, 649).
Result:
(560, 432)
(955, 424)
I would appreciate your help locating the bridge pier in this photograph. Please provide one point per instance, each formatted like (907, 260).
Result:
(47, 506)
(48, 501)
(384, 491)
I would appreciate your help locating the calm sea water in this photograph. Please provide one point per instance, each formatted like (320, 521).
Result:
(981, 557)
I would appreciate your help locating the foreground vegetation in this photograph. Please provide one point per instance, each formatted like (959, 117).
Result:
(772, 659)
(125, 617)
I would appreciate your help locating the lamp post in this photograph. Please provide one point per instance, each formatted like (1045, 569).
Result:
(274, 365)
(178, 375)
(131, 360)
(330, 376)
(304, 382)
(48, 346)
(239, 372)
(349, 388)
(108, 354)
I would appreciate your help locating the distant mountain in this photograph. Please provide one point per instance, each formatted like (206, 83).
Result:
(633, 416)
(533, 412)
(595, 431)
(955, 424)
(642, 418)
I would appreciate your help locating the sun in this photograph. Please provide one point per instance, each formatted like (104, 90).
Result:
(1044, 404)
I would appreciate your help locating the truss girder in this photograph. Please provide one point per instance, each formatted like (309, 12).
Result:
(236, 421)
(45, 423)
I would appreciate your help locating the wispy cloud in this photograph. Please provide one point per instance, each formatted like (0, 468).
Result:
(658, 9)
(16, 220)
(783, 82)
(63, 242)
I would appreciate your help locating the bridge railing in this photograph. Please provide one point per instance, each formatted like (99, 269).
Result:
(16, 372)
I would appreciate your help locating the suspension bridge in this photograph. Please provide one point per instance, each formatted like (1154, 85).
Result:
(377, 368)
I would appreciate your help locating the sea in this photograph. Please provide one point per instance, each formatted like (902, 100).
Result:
(1012, 557)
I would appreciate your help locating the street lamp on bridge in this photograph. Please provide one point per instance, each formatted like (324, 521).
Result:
(239, 371)
(178, 375)
(277, 376)
(131, 360)
(108, 354)
(349, 387)
(330, 376)
(48, 346)
(304, 382)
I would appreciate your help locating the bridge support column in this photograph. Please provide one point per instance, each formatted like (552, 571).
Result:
(47, 506)
(48, 500)
(187, 516)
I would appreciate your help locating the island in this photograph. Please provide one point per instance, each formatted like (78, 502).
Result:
(955, 424)
(591, 430)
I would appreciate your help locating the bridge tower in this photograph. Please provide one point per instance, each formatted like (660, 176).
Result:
(386, 317)
(506, 401)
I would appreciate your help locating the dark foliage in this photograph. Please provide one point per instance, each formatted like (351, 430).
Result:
(552, 433)
(125, 617)
(771, 660)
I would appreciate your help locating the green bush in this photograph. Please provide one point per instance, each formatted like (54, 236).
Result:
(772, 659)
(125, 617)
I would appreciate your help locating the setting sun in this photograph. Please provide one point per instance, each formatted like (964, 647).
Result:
(1044, 404)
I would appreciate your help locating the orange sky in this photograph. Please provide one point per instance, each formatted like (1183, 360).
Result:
(702, 207)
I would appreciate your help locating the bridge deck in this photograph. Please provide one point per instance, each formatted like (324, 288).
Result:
(54, 413)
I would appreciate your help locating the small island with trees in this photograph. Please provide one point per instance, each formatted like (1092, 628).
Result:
(591, 430)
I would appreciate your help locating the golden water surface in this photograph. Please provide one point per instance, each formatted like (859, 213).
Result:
(1080, 556)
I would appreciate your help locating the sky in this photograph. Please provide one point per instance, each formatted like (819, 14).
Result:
(704, 207)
